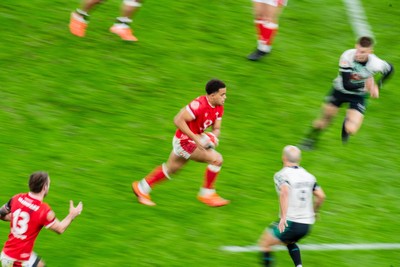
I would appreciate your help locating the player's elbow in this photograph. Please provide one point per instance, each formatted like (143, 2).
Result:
(177, 120)
(60, 230)
(321, 197)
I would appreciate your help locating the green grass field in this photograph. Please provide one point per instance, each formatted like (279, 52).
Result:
(96, 113)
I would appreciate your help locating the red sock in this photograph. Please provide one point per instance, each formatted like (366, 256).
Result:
(155, 176)
(260, 29)
(269, 31)
(266, 31)
(210, 178)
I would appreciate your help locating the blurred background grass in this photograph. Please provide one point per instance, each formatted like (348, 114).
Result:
(96, 113)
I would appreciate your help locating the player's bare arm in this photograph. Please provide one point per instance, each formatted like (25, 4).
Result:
(5, 212)
(372, 87)
(60, 226)
(284, 203)
(319, 198)
(216, 128)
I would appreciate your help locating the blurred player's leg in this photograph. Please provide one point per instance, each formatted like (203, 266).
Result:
(267, 26)
(79, 18)
(142, 188)
(294, 252)
(345, 134)
(121, 26)
(351, 123)
(329, 111)
(138, 189)
(266, 242)
(78, 23)
(208, 194)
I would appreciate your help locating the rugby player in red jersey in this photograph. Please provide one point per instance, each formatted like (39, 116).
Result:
(192, 121)
(28, 214)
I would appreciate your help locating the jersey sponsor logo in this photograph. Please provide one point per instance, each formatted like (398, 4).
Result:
(344, 63)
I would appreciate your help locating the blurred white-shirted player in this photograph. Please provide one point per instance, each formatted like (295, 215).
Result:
(296, 188)
(28, 214)
(192, 121)
(266, 14)
(357, 68)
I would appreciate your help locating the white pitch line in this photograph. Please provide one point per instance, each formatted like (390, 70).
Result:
(319, 247)
(358, 19)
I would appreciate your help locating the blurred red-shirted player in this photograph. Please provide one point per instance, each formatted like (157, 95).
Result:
(188, 143)
(28, 214)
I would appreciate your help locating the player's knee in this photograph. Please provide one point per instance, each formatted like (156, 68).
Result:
(321, 123)
(351, 127)
(264, 245)
(218, 160)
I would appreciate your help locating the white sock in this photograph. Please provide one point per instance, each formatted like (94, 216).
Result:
(206, 191)
(144, 187)
(263, 47)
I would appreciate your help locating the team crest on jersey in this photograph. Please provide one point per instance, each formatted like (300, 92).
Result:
(344, 63)
(195, 104)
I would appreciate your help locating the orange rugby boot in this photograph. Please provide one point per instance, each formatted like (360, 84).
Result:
(213, 200)
(144, 199)
(124, 32)
(77, 25)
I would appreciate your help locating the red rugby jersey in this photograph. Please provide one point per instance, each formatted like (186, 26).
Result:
(28, 216)
(204, 115)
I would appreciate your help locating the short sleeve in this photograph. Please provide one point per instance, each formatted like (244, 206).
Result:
(379, 65)
(49, 217)
(194, 108)
(280, 180)
(345, 62)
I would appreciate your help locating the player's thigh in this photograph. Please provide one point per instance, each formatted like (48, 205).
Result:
(267, 12)
(267, 240)
(209, 156)
(292, 233)
(259, 9)
(329, 110)
(272, 13)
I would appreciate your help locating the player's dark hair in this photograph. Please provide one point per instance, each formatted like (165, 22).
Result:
(214, 85)
(37, 181)
(365, 41)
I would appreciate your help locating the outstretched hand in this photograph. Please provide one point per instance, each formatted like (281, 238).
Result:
(372, 87)
(75, 211)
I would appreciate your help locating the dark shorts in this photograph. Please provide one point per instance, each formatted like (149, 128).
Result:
(337, 98)
(293, 233)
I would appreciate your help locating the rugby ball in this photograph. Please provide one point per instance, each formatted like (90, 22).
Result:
(209, 140)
